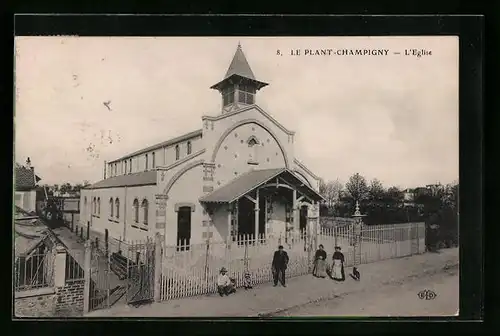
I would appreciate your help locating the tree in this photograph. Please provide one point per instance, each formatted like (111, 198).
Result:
(86, 183)
(376, 191)
(357, 188)
(66, 187)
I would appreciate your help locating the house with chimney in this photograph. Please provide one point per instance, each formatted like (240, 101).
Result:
(236, 175)
(25, 186)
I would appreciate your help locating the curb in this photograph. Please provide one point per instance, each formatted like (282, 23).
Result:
(433, 271)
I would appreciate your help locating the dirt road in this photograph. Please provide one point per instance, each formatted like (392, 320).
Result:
(391, 300)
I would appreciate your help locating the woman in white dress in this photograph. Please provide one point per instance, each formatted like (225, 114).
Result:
(338, 265)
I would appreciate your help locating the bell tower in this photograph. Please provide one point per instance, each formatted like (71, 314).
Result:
(239, 86)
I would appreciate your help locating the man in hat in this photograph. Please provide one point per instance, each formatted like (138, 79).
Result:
(279, 264)
(224, 284)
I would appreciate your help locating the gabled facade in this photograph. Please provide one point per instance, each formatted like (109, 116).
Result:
(236, 175)
(25, 183)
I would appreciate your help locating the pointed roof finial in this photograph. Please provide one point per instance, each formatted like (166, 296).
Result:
(239, 65)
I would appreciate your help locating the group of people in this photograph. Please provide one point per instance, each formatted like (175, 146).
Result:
(227, 285)
(321, 267)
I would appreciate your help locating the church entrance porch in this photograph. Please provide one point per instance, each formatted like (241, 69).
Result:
(262, 203)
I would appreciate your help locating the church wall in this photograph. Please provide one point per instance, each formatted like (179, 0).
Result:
(185, 191)
(219, 220)
(233, 156)
(276, 225)
(214, 129)
(116, 226)
(164, 156)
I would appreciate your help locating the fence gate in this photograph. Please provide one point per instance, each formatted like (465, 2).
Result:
(99, 280)
(140, 272)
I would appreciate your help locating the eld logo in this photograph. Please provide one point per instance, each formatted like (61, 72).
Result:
(427, 295)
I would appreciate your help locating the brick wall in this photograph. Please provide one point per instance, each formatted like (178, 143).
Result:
(69, 300)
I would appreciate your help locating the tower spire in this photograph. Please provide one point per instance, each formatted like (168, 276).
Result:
(239, 85)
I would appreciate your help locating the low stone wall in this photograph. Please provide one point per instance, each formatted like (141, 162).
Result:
(69, 299)
(35, 303)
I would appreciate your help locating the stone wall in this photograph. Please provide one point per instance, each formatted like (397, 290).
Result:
(69, 299)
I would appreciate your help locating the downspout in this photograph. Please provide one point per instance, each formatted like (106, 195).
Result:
(125, 206)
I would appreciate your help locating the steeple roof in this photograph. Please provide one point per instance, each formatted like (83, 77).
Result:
(239, 68)
(239, 65)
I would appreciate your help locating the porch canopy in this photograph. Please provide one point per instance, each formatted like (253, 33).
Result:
(254, 179)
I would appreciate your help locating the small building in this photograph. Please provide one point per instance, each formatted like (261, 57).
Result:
(26, 182)
(236, 175)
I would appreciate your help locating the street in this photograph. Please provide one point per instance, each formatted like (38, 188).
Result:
(391, 300)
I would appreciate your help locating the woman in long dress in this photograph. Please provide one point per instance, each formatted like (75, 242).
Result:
(338, 265)
(320, 263)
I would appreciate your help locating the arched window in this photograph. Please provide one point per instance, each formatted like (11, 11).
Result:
(111, 207)
(125, 170)
(189, 148)
(117, 206)
(146, 162)
(177, 153)
(144, 207)
(98, 206)
(94, 206)
(153, 159)
(136, 211)
(130, 166)
(253, 145)
(85, 204)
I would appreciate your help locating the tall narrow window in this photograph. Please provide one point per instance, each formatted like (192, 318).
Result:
(165, 155)
(145, 209)
(146, 165)
(85, 205)
(125, 170)
(130, 166)
(117, 206)
(98, 206)
(136, 211)
(253, 145)
(153, 159)
(189, 149)
(177, 153)
(111, 207)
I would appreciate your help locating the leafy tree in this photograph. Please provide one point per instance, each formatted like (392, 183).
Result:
(376, 191)
(357, 188)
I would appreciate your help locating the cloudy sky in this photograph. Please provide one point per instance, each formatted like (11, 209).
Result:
(393, 117)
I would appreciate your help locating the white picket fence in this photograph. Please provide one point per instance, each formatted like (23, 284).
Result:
(190, 270)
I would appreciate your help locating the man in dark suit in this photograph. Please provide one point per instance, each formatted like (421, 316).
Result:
(280, 262)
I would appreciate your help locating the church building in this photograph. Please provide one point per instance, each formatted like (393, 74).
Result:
(236, 175)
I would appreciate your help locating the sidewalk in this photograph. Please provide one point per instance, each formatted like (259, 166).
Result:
(265, 299)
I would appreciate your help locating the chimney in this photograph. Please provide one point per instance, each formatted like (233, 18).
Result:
(104, 169)
(28, 162)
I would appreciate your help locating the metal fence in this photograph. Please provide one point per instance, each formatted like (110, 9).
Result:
(35, 270)
(74, 268)
(189, 270)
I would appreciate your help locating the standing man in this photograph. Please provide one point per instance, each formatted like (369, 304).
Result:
(280, 262)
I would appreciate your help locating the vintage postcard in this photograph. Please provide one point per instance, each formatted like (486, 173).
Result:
(236, 177)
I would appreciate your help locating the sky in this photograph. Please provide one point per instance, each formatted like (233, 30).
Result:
(394, 117)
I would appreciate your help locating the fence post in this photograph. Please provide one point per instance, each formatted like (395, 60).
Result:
(60, 267)
(87, 273)
(158, 268)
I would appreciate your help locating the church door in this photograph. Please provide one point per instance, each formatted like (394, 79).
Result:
(183, 228)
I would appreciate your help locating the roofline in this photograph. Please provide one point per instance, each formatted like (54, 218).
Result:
(170, 142)
(281, 170)
(218, 85)
(301, 165)
(124, 185)
(246, 108)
